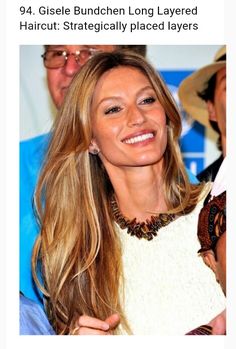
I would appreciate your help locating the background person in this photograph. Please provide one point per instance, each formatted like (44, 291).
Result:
(212, 228)
(203, 96)
(130, 255)
(212, 236)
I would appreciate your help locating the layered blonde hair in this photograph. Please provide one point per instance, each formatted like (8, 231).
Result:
(78, 250)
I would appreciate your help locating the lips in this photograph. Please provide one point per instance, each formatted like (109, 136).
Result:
(139, 137)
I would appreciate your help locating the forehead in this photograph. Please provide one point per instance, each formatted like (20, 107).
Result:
(121, 82)
(122, 76)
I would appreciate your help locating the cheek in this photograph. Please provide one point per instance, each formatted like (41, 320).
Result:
(106, 135)
(220, 103)
(223, 107)
(164, 136)
(52, 78)
(160, 119)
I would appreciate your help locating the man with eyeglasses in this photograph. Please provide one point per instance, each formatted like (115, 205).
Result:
(62, 62)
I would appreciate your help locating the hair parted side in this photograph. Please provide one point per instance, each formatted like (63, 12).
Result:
(78, 247)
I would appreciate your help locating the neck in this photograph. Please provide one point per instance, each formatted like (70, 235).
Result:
(139, 192)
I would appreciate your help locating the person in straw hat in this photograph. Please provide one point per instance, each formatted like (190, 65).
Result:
(203, 96)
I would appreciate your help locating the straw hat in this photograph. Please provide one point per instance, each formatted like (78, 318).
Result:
(197, 82)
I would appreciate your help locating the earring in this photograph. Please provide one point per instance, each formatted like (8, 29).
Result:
(95, 151)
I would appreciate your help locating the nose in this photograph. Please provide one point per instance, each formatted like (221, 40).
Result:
(136, 116)
(72, 66)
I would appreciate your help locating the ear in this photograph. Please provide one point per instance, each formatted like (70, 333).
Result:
(93, 148)
(209, 260)
(211, 111)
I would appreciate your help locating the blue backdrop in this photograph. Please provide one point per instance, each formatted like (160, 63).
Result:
(193, 134)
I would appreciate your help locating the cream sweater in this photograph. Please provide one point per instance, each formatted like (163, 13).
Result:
(168, 289)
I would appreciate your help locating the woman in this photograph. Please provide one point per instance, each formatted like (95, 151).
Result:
(118, 243)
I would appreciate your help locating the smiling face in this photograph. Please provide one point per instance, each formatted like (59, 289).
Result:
(59, 79)
(128, 122)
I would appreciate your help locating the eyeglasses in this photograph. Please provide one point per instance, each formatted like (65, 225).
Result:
(54, 59)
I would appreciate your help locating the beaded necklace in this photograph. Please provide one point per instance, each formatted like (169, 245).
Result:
(146, 230)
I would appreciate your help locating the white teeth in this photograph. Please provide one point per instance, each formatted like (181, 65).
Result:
(139, 138)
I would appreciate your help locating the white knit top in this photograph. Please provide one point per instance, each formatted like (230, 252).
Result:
(168, 289)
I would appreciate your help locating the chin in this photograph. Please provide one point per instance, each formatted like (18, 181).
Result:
(149, 160)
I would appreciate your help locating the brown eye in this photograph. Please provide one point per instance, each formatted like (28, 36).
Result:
(58, 53)
(53, 54)
(148, 100)
(112, 110)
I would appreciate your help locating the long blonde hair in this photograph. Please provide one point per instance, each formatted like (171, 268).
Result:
(78, 250)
